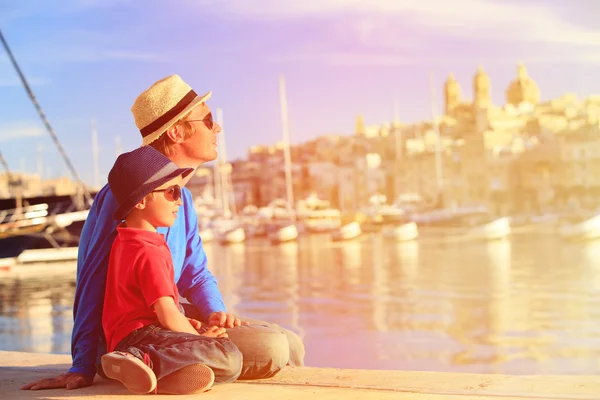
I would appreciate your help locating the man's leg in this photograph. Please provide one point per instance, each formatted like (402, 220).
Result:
(266, 347)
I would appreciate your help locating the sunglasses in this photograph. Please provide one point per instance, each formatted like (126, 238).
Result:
(172, 193)
(208, 121)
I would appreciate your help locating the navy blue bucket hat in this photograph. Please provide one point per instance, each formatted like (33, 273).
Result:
(137, 173)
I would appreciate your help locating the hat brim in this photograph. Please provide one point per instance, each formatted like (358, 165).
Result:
(140, 192)
(158, 132)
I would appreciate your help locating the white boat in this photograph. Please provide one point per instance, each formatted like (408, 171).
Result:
(494, 230)
(317, 216)
(67, 219)
(235, 235)
(379, 214)
(347, 232)
(286, 233)
(588, 229)
(206, 234)
(48, 255)
(402, 233)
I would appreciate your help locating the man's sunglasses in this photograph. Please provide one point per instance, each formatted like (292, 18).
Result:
(208, 121)
(172, 193)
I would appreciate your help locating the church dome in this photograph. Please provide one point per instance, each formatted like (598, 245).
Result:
(523, 89)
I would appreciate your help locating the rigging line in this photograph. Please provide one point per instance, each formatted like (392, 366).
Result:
(45, 120)
(5, 165)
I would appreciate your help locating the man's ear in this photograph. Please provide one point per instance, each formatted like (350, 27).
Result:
(175, 133)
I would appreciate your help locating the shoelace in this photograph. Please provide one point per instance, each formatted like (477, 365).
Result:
(148, 362)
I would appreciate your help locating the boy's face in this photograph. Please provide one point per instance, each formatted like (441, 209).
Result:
(162, 205)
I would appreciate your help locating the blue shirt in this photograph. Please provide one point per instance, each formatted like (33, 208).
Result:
(194, 281)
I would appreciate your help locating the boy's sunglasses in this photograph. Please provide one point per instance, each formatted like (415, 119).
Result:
(208, 121)
(172, 193)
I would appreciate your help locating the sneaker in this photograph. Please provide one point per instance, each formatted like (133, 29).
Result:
(130, 371)
(195, 378)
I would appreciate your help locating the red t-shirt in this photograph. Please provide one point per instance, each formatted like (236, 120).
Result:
(140, 271)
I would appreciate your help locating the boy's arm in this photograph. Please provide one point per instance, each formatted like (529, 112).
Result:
(170, 317)
(197, 283)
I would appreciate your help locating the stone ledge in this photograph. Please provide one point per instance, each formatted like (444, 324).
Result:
(17, 369)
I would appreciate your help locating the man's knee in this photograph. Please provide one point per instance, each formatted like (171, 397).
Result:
(296, 347)
(265, 350)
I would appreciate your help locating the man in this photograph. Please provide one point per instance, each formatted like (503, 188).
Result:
(173, 119)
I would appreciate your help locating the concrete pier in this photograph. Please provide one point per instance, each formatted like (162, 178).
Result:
(17, 369)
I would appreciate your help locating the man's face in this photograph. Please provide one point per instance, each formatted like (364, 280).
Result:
(202, 145)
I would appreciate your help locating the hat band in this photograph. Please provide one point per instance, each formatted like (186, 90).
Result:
(169, 115)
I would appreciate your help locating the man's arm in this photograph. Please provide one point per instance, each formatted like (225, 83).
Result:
(97, 236)
(197, 283)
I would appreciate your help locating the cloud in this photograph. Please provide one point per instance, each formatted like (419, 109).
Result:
(341, 59)
(20, 130)
(85, 54)
(475, 19)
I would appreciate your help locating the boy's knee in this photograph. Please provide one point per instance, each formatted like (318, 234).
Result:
(231, 367)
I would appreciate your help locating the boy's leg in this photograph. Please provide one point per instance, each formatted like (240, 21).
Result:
(266, 347)
(135, 374)
(172, 351)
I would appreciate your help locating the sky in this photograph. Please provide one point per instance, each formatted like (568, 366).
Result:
(89, 59)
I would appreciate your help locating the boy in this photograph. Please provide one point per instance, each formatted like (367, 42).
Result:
(152, 345)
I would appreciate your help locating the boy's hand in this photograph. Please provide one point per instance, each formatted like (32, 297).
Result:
(224, 320)
(197, 325)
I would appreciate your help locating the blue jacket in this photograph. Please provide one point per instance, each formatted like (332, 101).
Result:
(194, 280)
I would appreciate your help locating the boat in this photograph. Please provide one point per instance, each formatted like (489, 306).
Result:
(495, 230)
(50, 223)
(317, 216)
(282, 225)
(232, 236)
(581, 229)
(401, 233)
(378, 214)
(284, 233)
(206, 234)
(349, 231)
(40, 226)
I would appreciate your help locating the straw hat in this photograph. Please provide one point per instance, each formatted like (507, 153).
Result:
(162, 104)
(137, 173)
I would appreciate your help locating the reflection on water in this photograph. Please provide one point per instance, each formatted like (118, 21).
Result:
(530, 305)
(36, 315)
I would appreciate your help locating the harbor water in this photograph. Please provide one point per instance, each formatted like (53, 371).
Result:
(528, 305)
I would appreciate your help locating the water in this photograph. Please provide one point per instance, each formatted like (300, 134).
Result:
(526, 306)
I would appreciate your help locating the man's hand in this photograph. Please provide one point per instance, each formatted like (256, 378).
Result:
(70, 380)
(224, 320)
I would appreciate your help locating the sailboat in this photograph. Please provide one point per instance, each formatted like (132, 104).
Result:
(285, 230)
(227, 227)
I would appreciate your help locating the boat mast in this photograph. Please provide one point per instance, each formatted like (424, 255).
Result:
(118, 148)
(438, 144)
(225, 172)
(45, 120)
(398, 138)
(286, 147)
(95, 156)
